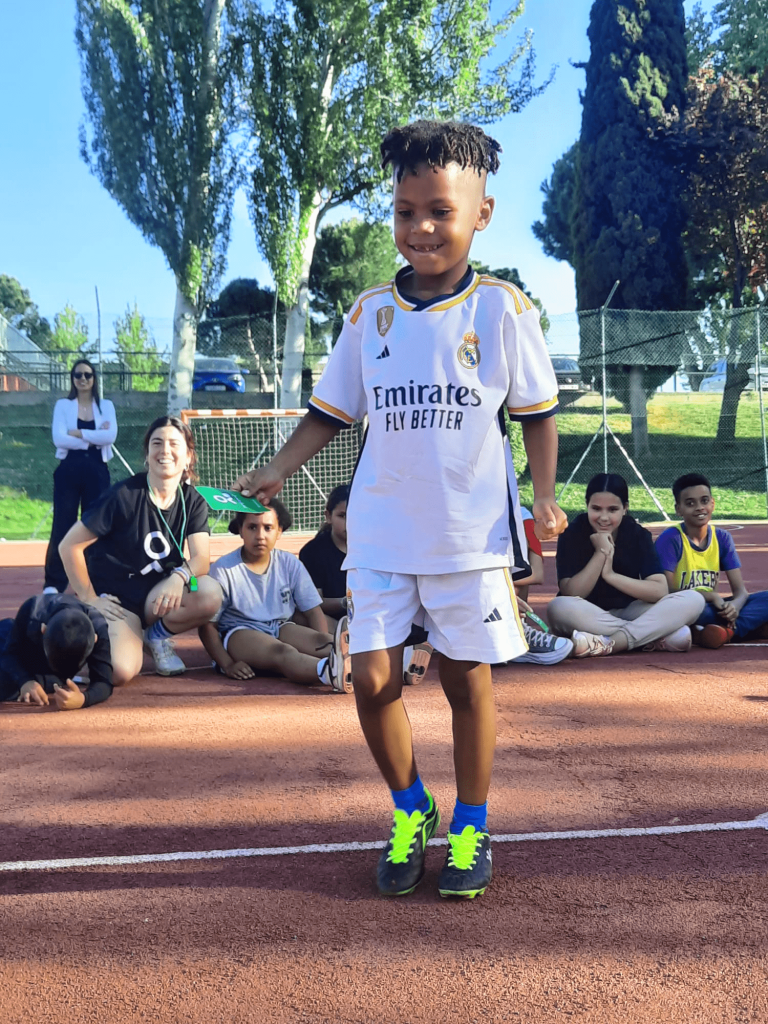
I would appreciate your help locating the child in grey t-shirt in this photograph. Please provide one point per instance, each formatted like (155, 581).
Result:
(262, 588)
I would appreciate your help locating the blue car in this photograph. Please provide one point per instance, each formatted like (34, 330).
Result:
(218, 375)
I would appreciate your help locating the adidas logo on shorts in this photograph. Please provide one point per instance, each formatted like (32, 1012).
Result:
(495, 616)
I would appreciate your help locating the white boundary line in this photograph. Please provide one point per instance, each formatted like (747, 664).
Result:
(283, 851)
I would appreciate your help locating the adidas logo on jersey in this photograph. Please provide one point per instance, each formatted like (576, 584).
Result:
(495, 616)
(384, 353)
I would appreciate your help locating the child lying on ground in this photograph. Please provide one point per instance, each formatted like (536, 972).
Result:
(51, 639)
(262, 587)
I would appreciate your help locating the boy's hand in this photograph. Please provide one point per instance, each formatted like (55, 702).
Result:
(728, 612)
(33, 693)
(262, 484)
(549, 518)
(68, 697)
(239, 670)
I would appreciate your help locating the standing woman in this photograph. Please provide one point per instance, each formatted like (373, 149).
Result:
(84, 430)
(141, 555)
(613, 592)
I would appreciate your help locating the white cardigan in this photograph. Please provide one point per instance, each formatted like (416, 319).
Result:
(65, 419)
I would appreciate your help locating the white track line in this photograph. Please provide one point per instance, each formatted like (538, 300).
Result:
(282, 851)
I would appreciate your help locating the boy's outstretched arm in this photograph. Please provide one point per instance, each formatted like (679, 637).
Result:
(540, 439)
(311, 435)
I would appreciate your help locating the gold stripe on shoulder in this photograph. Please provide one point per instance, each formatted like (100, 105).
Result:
(331, 409)
(380, 289)
(517, 294)
(540, 407)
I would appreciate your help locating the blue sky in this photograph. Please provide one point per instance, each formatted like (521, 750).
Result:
(62, 235)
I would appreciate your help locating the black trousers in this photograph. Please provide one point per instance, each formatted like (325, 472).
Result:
(78, 481)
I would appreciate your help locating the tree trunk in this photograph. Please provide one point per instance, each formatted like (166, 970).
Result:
(183, 354)
(736, 381)
(639, 411)
(296, 318)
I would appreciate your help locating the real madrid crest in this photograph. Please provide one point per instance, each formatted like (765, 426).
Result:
(384, 318)
(469, 351)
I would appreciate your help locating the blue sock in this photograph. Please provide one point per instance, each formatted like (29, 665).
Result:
(412, 799)
(475, 815)
(159, 631)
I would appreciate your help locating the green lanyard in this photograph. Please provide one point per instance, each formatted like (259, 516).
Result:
(179, 543)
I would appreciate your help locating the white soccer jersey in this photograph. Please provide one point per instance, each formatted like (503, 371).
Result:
(434, 490)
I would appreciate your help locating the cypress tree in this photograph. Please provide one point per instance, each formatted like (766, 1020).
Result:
(627, 214)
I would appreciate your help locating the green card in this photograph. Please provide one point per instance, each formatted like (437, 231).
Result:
(232, 501)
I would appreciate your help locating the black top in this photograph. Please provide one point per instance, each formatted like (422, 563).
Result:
(23, 657)
(635, 557)
(86, 425)
(132, 538)
(323, 563)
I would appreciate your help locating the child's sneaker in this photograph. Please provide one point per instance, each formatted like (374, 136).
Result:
(590, 645)
(167, 661)
(338, 667)
(401, 864)
(543, 648)
(680, 641)
(417, 663)
(712, 636)
(468, 866)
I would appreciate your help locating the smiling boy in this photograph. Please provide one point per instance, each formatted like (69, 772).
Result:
(693, 555)
(434, 530)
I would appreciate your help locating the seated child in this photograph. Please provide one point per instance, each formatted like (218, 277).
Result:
(693, 555)
(324, 556)
(544, 648)
(262, 587)
(41, 651)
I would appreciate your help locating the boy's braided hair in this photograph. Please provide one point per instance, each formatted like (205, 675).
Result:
(438, 143)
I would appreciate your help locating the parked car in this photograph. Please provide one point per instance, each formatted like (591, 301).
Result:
(218, 375)
(716, 373)
(568, 374)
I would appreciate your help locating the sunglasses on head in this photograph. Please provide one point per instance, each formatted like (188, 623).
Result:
(83, 376)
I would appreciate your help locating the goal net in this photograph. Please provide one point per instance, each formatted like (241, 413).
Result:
(229, 442)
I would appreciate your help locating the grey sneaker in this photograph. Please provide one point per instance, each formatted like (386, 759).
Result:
(544, 648)
(338, 668)
(590, 645)
(167, 661)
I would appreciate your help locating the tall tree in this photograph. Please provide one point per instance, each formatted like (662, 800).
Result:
(156, 85)
(70, 335)
(722, 139)
(627, 210)
(137, 349)
(349, 257)
(324, 81)
(17, 307)
(554, 231)
(733, 36)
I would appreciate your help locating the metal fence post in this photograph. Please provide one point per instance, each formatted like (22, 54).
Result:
(605, 383)
(758, 368)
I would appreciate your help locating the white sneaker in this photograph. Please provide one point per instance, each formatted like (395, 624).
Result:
(167, 661)
(338, 667)
(50, 590)
(416, 662)
(680, 641)
(590, 645)
(543, 648)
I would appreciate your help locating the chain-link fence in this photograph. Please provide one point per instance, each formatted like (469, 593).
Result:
(650, 395)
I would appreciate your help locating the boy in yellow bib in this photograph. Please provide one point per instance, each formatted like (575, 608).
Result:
(693, 555)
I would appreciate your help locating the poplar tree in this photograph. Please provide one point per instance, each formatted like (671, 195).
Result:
(155, 82)
(628, 216)
(323, 82)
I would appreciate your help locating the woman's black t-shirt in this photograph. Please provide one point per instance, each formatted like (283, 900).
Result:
(635, 556)
(323, 562)
(134, 544)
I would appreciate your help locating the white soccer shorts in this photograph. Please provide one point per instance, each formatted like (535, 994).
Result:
(470, 616)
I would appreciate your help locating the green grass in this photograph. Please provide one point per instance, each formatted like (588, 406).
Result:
(682, 431)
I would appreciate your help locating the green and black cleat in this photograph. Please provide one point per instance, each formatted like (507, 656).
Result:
(401, 864)
(468, 866)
